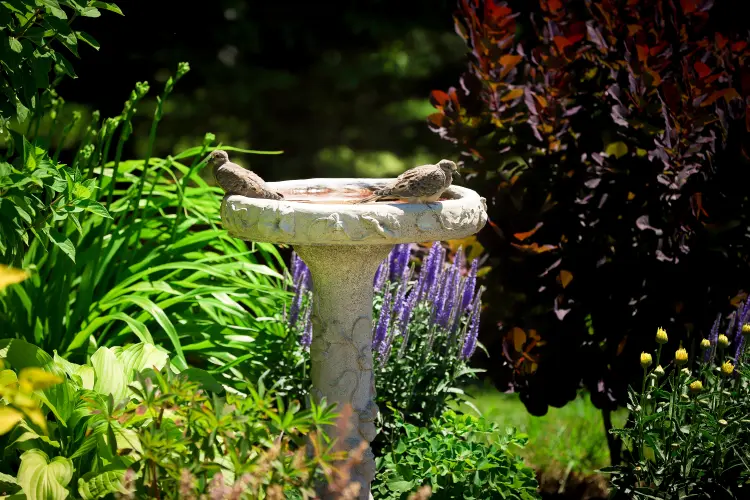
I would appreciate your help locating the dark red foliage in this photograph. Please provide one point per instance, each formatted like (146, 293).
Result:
(610, 139)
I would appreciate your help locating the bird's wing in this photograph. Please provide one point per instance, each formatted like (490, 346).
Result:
(419, 181)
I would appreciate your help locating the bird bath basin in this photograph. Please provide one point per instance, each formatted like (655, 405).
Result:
(343, 243)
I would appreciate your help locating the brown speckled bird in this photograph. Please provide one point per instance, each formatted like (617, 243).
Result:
(423, 184)
(234, 179)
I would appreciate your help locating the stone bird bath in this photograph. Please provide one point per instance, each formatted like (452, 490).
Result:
(343, 243)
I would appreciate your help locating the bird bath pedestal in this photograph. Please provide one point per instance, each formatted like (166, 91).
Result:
(343, 244)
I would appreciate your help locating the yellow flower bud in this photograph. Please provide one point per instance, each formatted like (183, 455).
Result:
(727, 368)
(681, 356)
(705, 344)
(659, 371)
(746, 329)
(696, 386)
(723, 340)
(645, 359)
(661, 336)
(723, 422)
(685, 372)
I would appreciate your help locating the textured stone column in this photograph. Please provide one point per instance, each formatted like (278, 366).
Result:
(341, 350)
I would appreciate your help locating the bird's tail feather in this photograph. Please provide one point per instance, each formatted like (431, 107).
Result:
(372, 197)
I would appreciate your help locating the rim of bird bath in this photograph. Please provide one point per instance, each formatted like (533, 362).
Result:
(343, 243)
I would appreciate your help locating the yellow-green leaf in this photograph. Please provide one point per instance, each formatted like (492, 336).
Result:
(616, 149)
(9, 417)
(42, 479)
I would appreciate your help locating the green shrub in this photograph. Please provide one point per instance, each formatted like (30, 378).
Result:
(126, 423)
(690, 434)
(458, 456)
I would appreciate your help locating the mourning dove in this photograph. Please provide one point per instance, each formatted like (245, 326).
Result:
(423, 184)
(234, 179)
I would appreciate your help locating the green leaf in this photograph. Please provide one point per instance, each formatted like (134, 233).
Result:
(61, 241)
(85, 37)
(400, 486)
(137, 357)
(108, 6)
(15, 45)
(42, 479)
(204, 378)
(54, 8)
(92, 485)
(20, 354)
(90, 12)
(109, 373)
(8, 484)
(97, 208)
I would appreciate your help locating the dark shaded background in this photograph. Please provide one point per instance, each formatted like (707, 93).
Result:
(341, 87)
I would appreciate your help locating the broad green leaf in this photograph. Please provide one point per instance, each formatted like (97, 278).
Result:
(20, 354)
(15, 45)
(92, 485)
(42, 479)
(61, 241)
(82, 35)
(97, 208)
(204, 378)
(110, 377)
(53, 7)
(137, 357)
(108, 6)
(400, 486)
(90, 12)
(8, 484)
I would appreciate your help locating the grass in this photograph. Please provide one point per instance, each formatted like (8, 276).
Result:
(564, 441)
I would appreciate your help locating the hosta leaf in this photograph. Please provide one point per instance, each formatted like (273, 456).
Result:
(42, 479)
(92, 486)
(20, 354)
(137, 357)
(109, 373)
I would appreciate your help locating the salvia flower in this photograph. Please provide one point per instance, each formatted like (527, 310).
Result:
(680, 356)
(661, 336)
(470, 284)
(448, 297)
(646, 360)
(381, 275)
(434, 263)
(398, 261)
(470, 341)
(727, 368)
(713, 337)
(306, 337)
(299, 293)
(384, 320)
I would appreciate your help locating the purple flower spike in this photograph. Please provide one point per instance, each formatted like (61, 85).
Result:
(399, 260)
(458, 259)
(306, 338)
(470, 342)
(448, 297)
(432, 265)
(299, 292)
(384, 320)
(381, 275)
(469, 285)
(713, 337)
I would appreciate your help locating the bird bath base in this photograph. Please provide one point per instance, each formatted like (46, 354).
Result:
(343, 243)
